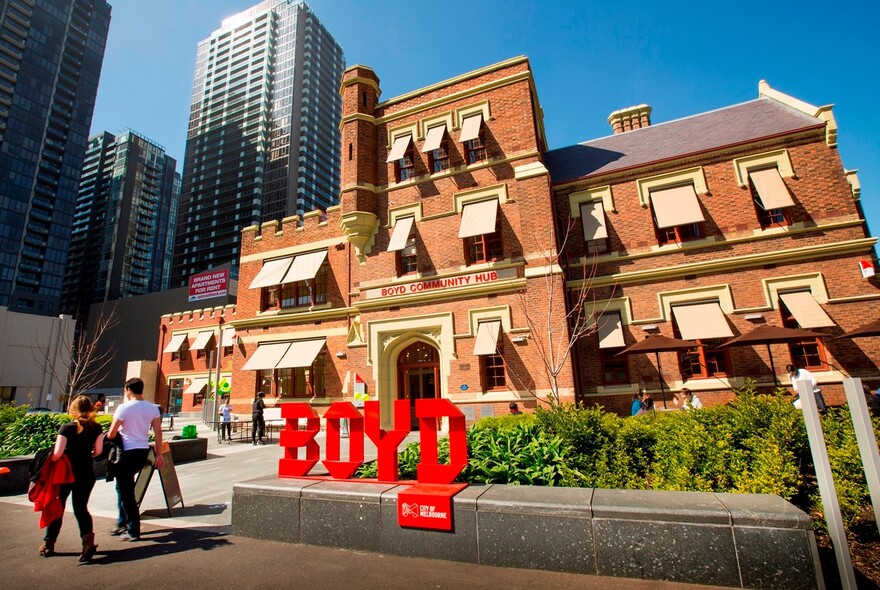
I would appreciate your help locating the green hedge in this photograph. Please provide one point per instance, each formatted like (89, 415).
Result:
(33, 432)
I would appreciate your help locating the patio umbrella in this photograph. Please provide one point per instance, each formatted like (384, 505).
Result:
(769, 335)
(657, 344)
(872, 329)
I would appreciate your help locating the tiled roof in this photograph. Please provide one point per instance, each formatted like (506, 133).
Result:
(749, 121)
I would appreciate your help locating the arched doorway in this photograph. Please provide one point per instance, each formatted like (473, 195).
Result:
(418, 373)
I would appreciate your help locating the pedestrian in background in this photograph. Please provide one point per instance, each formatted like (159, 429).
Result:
(226, 421)
(257, 419)
(636, 407)
(796, 373)
(514, 409)
(647, 401)
(79, 441)
(132, 422)
(688, 399)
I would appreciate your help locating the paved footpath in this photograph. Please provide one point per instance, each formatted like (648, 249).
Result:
(195, 548)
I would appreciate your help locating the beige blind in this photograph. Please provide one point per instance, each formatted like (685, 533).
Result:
(771, 189)
(271, 273)
(676, 206)
(398, 148)
(266, 356)
(701, 321)
(305, 266)
(470, 127)
(228, 337)
(177, 341)
(487, 337)
(402, 229)
(197, 385)
(610, 331)
(202, 340)
(806, 310)
(301, 353)
(593, 218)
(478, 218)
(433, 138)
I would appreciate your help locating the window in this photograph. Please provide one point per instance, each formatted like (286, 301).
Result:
(475, 150)
(293, 383)
(615, 370)
(595, 231)
(179, 354)
(305, 293)
(404, 168)
(609, 330)
(407, 257)
(677, 214)
(492, 367)
(808, 353)
(704, 361)
(770, 197)
(439, 159)
(706, 324)
(7, 395)
(484, 247)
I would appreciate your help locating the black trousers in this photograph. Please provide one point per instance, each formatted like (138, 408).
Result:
(81, 491)
(129, 512)
(259, 427)
(226, 430)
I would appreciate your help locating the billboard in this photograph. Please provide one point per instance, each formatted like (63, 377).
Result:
(207, 285)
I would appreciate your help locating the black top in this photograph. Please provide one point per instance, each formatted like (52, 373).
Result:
(79, 448)
(257, 409)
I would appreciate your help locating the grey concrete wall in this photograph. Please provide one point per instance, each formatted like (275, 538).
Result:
(734, 540)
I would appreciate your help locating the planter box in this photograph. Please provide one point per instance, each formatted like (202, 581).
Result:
(188, 449)
(16, 481)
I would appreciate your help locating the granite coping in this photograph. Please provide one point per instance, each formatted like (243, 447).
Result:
(539, 500)
(466, 500)
(660, 506)
(763, 510)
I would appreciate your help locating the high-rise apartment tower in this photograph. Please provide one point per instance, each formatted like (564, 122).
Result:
(51, 53)
(263, 138)
(123, 224)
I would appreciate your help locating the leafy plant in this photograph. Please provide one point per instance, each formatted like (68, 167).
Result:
(31, 433)
(8, 414)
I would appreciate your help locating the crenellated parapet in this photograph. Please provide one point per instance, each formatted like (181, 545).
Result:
(314, 226)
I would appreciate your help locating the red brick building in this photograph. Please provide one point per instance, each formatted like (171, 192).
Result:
(438, 273)
(705, 228)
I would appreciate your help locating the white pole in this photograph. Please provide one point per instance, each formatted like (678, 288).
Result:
(861, 418)
(830, 505)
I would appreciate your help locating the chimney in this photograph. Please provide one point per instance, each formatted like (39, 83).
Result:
(630, 118)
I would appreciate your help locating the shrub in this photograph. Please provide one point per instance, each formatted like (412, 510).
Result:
(519, 454)
(8, 414)
(31, 433)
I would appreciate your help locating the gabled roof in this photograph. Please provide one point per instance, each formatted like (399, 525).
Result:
(742, 123)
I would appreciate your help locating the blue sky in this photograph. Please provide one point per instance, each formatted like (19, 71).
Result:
(589, 59)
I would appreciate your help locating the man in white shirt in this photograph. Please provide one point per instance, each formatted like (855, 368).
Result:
(794, 374)
(132, 422)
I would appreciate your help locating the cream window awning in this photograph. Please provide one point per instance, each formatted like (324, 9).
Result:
(398, 148)
(701, 321)
(610, 331)
(771, 189)
(470, 127)
(433, 138)
(271, 273)
(305, 267)
(478, 219)
(593, 218)
(301, 353)
(806, 310)
(202, 340)
(676, 206)
(487, 338)
(177, 341)
(197, 385)
(402, 229)
(266, 356)
(228, 337)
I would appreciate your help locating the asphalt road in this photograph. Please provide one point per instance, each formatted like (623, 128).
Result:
(195, 547)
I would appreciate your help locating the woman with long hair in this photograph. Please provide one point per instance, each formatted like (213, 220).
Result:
(81, 441)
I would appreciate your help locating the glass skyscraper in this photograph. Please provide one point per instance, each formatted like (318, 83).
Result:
(124, 220)
(263, 137)
(51, 52)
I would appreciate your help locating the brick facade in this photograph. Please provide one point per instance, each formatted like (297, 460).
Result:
(409, 333)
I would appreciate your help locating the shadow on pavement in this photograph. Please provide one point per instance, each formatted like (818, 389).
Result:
(196, 510)
(155, 543)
